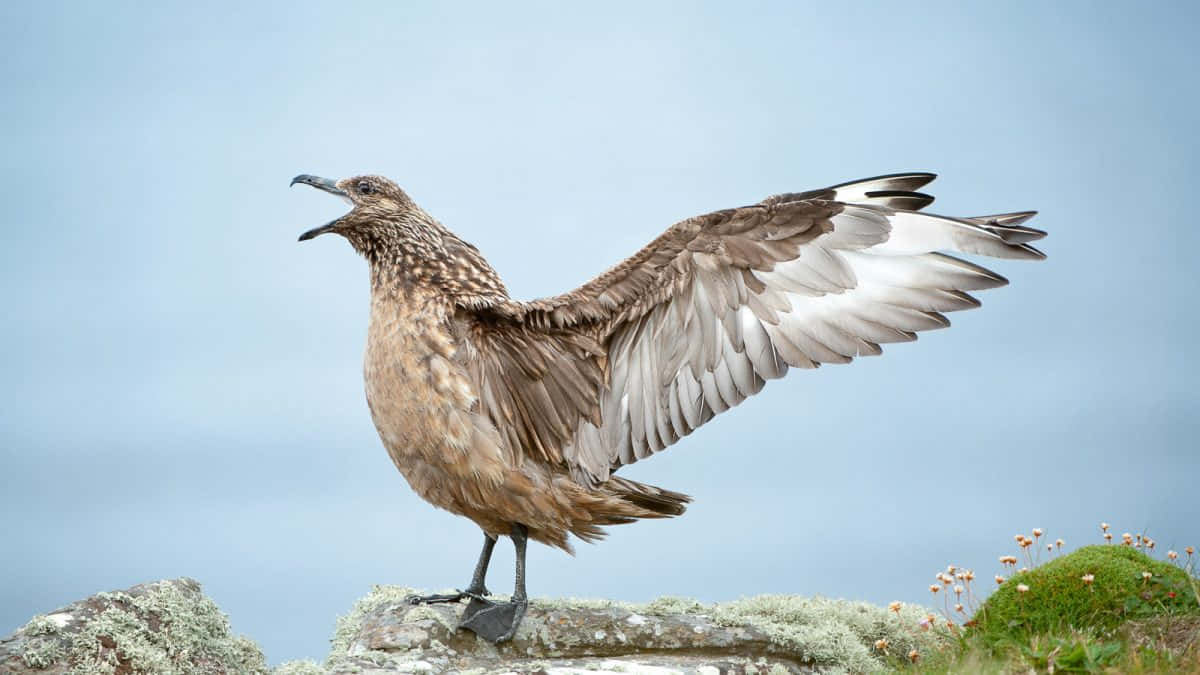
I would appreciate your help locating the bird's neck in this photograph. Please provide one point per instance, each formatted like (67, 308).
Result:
(400, 273)
(453, 271)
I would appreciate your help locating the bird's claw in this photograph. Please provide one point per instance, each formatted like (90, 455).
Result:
(436, 598)
(445, 598)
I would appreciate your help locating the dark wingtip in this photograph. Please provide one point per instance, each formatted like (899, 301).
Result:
(1034, 253)
(909, 201)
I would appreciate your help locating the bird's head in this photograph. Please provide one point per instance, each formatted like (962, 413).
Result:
(402, 243)
(382, 217)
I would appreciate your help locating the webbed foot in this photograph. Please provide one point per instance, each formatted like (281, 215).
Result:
(495, 622)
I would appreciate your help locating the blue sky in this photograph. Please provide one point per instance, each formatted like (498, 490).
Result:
(182, 381)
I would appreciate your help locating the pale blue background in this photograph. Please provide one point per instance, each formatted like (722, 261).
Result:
(181, 379)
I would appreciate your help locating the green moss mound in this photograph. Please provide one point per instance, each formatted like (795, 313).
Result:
(1058, 599)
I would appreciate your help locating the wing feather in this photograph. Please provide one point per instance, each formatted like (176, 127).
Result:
(707, 313)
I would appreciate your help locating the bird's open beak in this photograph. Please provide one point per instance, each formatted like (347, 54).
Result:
(318, 231)
(326, 185)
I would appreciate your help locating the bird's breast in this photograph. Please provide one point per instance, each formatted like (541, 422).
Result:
(421, 401)
(415, 389)
(418, 390)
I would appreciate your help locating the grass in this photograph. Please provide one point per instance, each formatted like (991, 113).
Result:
(1109, 608)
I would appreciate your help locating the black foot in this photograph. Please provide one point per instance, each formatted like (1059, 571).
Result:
(495, 622)
(437, 598)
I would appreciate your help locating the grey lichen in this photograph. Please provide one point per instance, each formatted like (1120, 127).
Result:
(670, 604)
(300, 668)
(425, 613)
(42, 652)
(40, 625)
(577, 603)
(190, 630)
(349, 624)
(832, 633)
(43, 649)
(165, 627)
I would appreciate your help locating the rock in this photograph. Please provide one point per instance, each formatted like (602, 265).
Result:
(160, 627)
(764, 635)
(170, 627)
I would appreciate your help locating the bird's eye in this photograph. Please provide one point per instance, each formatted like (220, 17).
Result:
(365, 188)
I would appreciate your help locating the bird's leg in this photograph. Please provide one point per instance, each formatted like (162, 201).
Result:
(497, 621)
(475, 590)
(477, 586)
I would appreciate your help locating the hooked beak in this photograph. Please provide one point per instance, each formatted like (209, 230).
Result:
(326, 185)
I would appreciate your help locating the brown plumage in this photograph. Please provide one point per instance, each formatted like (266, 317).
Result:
(516, 414)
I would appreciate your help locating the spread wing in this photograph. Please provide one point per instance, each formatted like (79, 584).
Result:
(702, 317)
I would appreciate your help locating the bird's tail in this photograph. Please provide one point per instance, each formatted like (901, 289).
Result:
(654, 501)
(585, 510)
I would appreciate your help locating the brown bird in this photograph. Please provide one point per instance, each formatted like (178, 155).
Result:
(517, 414)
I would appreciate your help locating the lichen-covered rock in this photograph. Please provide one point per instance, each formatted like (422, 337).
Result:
(169, 627)
(161, 627)
(768, 635)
